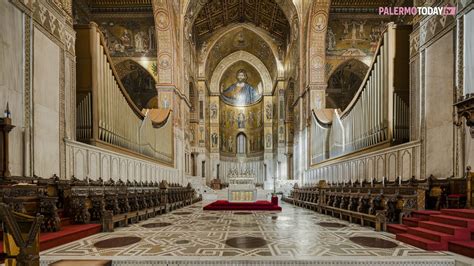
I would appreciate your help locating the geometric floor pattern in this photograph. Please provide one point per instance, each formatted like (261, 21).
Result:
(191, 232)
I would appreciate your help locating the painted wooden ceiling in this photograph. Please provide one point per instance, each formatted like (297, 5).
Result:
(266, 14)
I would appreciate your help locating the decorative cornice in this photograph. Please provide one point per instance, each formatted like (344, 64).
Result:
(51, 19)
(122, 6)
(429, 30)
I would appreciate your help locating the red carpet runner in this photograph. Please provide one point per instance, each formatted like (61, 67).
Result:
(67, 234)
(448, 229)
(259, 205)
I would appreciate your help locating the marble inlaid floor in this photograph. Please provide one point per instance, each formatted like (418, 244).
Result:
(190, 232)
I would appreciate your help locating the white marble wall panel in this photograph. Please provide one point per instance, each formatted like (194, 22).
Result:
(438, 107)
(45, 105)
(11, 79)
(93, 162)
(401, 160)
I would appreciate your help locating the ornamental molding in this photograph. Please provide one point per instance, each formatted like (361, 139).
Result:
(51, 19)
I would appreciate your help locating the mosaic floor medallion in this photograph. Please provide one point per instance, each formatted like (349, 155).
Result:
(373, 242)
(332, 225)
(246, 242)
(117, 242)
(156, 225)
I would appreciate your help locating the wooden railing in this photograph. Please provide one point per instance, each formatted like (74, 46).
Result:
(378, 113)
(106, 115)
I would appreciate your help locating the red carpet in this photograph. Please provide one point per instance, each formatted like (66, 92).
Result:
(67, 234)
(448, 229)
(259, 205)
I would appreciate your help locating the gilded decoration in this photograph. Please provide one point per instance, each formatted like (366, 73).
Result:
(238, 39)
(344, 83)
(129, 37)
(239, 109)
(218, 74)
(236, 120)
(241, 85)
(316, 42)
(349, 37)
(138, 82)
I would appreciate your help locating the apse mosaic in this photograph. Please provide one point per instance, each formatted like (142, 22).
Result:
(241, 85)
(247, 120)
(241, 111)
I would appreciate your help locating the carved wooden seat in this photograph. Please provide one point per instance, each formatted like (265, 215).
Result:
(363, 201)
(32, 199)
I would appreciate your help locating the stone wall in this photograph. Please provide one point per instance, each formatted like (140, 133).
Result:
(439, 79)
(12, 79)
(46, 64)
(37, 79)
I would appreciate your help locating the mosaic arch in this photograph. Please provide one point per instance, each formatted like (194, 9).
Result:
(273, 52)
(139, 83)
(247, 57)
(344, 82)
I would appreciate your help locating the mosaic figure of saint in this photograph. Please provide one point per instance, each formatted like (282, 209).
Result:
(241, 93)
(241, 120)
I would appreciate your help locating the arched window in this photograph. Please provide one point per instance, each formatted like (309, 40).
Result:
(241, 143)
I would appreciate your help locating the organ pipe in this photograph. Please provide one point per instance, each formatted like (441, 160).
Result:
(377, 114)
(106, 116)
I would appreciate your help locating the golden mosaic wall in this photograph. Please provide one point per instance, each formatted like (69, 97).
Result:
(234, 120)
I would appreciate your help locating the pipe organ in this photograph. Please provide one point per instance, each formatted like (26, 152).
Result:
(106, 115)
(379, 112)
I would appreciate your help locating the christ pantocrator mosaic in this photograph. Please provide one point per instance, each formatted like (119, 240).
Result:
(241, 93)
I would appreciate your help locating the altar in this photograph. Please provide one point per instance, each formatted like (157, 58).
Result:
(242, 186)
(242, 190)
